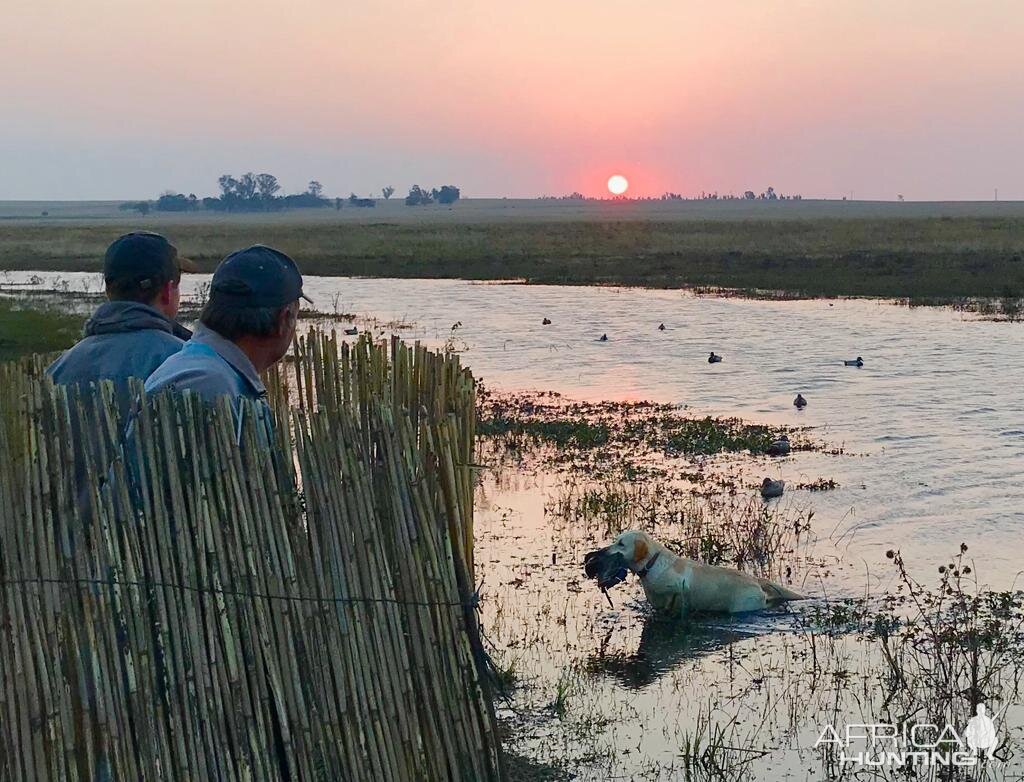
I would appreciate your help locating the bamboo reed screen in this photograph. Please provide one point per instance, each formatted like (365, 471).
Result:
(180, 601)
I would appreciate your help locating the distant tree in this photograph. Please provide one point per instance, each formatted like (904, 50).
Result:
(305, 201)
(267, 186)
(749, 195)
(388, 192)
(771, 194)
(353, 199)
(418, 196)
(246, 187)
(142, 207)
(174, 202)
(448, 194)
(315, 189)
(337, 203)
(228, 185)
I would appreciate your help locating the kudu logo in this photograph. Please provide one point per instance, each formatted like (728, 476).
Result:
(885, 744)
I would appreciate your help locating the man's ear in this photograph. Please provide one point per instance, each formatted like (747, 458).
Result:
(166, 291)
(285, 317)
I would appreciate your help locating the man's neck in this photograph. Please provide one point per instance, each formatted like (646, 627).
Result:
(257, 350)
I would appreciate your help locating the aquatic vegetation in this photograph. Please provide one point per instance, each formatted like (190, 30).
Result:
(951, 646)
(620, 433)
(716, 751)
(714, 435)
(935, 651)
(714, 527)
(25, 330)
(572, 433)
(820, 484)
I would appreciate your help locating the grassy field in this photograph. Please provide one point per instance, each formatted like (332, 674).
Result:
(25, 330)
(925, 252)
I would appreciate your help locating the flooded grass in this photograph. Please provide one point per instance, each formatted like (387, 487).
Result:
(716, 527)
(633, 433)
(821, 484)
(25, 330)
(594, 691)
(609, 691)
(624, 694)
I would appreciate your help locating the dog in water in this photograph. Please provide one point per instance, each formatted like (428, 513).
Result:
(676, 585)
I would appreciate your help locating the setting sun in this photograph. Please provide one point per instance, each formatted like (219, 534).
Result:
(618, 184)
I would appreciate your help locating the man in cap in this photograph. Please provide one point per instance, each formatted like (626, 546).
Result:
(134, 332)
(245, 328)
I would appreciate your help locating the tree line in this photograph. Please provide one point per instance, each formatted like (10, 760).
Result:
(261, 193)
(748, 195)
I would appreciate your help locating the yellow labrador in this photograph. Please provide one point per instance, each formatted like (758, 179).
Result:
(677, 585)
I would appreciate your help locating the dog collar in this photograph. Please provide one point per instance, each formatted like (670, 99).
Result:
(647, 568)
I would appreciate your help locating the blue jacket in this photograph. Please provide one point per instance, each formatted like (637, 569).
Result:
(210, 365)
(123, 339)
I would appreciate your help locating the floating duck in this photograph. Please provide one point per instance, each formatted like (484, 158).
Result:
(604, 338)
(857, 362)
(545, 322)
(713, 359)
(800, 402)
(352, 331)
(661, 327)
(780, 447)
(771, 489)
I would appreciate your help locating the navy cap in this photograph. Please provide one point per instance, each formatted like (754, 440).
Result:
(257, 276)
(145, 259)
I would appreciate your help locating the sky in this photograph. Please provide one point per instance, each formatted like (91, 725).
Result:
(111, 99)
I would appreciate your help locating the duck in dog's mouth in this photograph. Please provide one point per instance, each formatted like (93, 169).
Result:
(607, 567)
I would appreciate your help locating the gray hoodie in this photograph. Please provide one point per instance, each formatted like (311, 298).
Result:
(123, 339)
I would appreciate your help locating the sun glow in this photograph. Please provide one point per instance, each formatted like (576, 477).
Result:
(617, 184)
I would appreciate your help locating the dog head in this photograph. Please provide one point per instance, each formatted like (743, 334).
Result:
(629, 551)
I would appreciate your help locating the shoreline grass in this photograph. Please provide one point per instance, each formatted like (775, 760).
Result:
(25, 330)
(928, 260)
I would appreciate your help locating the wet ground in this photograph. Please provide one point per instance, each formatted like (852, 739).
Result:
(920, 449)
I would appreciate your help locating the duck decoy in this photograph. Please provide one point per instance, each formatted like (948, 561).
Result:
(545, 322)
(771, 489)
(800, 402)
(604, 338)
(661, 327)
(857, 362)
(780, 447)
(713, 359)
(352, 331)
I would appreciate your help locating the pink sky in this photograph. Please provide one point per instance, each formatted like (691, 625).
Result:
(120, 99)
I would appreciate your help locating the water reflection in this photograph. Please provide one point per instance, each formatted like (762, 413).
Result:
(666, 643)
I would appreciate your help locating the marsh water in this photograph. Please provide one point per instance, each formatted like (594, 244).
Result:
(931, 430)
